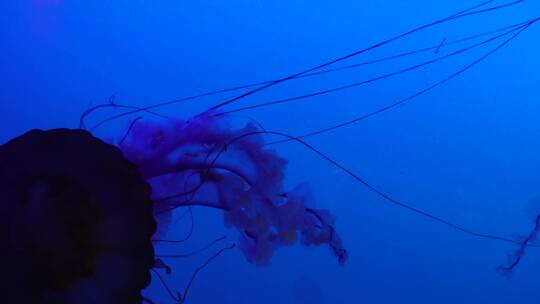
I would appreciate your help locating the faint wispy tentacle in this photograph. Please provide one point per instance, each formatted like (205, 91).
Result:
(129, 130)
(384, 76)
(194, 252)
(189, 234)
(178, 297)
(159, 264)
(315, 71)
(468, 12)
(520, 252)
(440, 45)
(196, 272)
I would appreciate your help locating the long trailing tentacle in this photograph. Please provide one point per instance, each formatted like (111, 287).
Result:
(194, 252)
(374, 189)
(520, 252)
(385, 76)
(468, 12)
(179, 297)
(413, 96)
(311, 72)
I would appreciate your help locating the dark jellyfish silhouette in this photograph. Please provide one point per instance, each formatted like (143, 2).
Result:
(76, 221)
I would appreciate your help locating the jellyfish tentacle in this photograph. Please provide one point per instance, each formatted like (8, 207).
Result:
(183, 296)
(188, 235)
(91, 110)
(159, 264)
(520, 252)
(194, 252)
(314, 73)
(356, 84)
(176, 297)
(260, 209)
(408, 98)
(467, 12)
(382, 194)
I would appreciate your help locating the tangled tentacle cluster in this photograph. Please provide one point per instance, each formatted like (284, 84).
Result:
(204, 161)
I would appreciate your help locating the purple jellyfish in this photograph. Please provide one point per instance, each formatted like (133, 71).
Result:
(202, 161)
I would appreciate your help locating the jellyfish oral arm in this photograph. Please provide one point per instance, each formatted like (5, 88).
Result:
(247, 184)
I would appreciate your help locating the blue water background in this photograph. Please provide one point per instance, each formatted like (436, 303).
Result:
(467, 151)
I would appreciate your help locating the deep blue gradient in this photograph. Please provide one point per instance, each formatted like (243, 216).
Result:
(466, 151)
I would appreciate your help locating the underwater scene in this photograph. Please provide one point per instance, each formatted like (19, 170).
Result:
(248, 151)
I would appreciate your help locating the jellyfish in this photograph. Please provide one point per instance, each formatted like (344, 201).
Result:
(198, 161)
(203, 161)
(216, 166)
(78, 215)
(230, 170)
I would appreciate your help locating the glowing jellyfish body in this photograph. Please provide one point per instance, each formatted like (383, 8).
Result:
(203, 161)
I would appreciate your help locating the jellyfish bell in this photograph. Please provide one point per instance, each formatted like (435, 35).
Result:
(76, 221)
